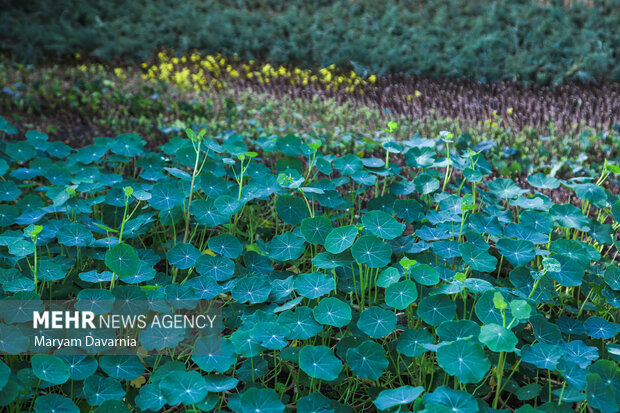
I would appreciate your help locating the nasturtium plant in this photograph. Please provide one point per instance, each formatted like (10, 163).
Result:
(367, 274)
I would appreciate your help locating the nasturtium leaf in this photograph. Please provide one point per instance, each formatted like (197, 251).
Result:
(572, 249)
(270, 335)
(326, 260)
(213, 353)
(54, 403)
(411, 342)
(21, 248)
(206, 213)
(340, 239)
(446, 249)
(348, 164)
(505, 188)
(96, 300)
(408, 210)
(382, 224)
(255, 400)
(301, 323)
(284, 247)
(315, 229)
(314, 403)
(80, 366)
(464, 359)
(377, 322)
(166, 196)
(370, 250)
(569, 216)
(545, 331)
(217, 267)
(50, 368)
(74, 235)
(12, 340)
(185, 387)
(122, 260)
(314, 285)
(420, 157)
(401, 295)
(608, 370)
(458, 330)
(50, 271)
(332, 311)
(599, 395)
(291, 210)
(612, 277)
(517, 252)
(368, 360)
(226, 244)
(436, 309)
(538, 221)
(477, 258)
(228, 205)
(426, 184)
(520, 309)
(592, 193)
(183, 256)
(319, 362)
(96, 277)
(98, 389)
(150, 398)
(543, 356)
(543, 181)
(498, 338)
(528, 392)
(388, 277)
(9, 191)
(397, 397)
(570, 274)
(578, 352)
(244, 345)
(254, 289)
(425, 274)
(456, 401)
(218, 383)
(122, 367)
(598, 327)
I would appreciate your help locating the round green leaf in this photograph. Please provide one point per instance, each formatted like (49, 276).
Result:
(341, 238)
(319, 362)
(382, 224)
(332, 311)
(436, 309)
(122, 260)
(370, 250)
(368, 360)
(50, 368)
(497, 338)
(465, 360)
(401, 294)
(377, 322)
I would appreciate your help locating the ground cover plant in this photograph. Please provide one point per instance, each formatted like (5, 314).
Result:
(544, 42)
(570, 128)
(405, 276)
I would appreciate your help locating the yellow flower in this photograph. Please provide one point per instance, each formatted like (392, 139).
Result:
(509, 111)
(372, 79)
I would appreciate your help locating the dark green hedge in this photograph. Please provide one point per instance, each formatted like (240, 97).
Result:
(481, 39)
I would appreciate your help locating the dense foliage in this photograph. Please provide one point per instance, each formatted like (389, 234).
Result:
(403, 277)
(543, 42)
(77, 102)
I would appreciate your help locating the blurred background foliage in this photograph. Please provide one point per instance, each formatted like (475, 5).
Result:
(538, 42)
